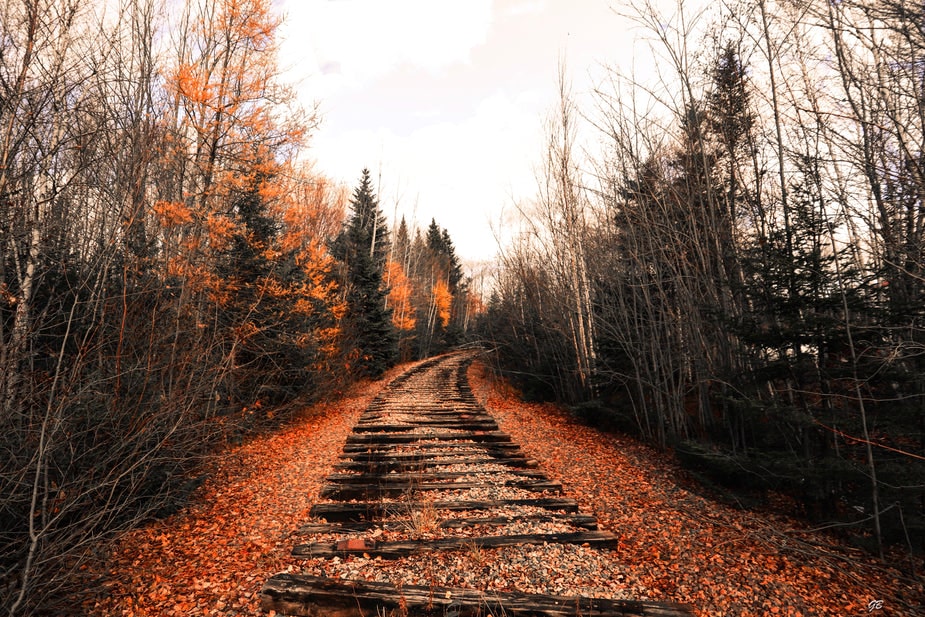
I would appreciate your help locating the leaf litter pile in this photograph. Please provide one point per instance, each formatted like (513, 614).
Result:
(675, 546)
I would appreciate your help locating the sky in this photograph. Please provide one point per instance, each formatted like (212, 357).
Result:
(444, 101)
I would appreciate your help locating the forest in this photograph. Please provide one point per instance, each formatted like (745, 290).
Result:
(732, 265)
(172, 277)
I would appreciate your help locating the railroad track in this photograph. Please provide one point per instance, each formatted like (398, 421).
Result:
(428, 484)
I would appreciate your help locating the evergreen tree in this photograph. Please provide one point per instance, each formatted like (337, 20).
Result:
(402, 246)
(442, 294)
(366, 231)
(362, 247)
(260, 334)
(731, 120)
(459, 288)
(444, 255)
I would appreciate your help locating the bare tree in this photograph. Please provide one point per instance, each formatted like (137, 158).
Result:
(753, 254)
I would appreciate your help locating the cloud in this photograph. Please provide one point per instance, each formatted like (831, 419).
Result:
(445, 100)
(522, 7)
(461, 173)
(369, 39)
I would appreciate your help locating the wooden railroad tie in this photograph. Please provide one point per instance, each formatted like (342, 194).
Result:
(346, 491)
(467, 425)
(493, 448)
(397, 550)
(404, 478)
(426, 433)
(393, 438)
(292, 594)
(585, 521)
(359, 511)
(371, 464)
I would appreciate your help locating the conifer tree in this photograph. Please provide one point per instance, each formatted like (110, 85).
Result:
(441, 291)
(362, 248)
(444, 254)
(260, 329)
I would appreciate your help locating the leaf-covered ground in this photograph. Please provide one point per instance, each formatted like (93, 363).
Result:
(213, 557)
(686, 548)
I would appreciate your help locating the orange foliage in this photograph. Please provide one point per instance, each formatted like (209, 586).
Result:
(682, 546)
(400, 292)
(304, 214)
(220, 229)
(443, 300)
(676, 544)
(172, 213)
(475, 304)
(218, 553)
(199, 278)
(230, 130)
(231, 115)
(312, 208)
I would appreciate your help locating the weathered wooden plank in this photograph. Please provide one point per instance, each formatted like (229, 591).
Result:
(372, 427)
(404, 478)
(441, 400)
(398, 416)
(392, 438)
(372, 491)
(585, 521)
(312, 596)
(397, 550)
(343, 512)
(425, 418)
(454, 412)
(450, 404)
(385, 465)
(422, 449)
(454, 408)
(425, 451)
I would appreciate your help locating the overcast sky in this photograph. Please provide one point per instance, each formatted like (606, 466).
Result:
(444, 101)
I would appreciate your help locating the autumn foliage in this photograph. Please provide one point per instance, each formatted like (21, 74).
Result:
(438, 294)
(681, 544)
(166, 283)
(442, 302)
(676, 544)
(400, 291)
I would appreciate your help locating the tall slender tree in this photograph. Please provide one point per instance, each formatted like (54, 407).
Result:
(362, 247)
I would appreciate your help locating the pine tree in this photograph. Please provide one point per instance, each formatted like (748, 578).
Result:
(402, 241)
(362, 247)
(258, 287)
(442, 292)
(444, 254)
